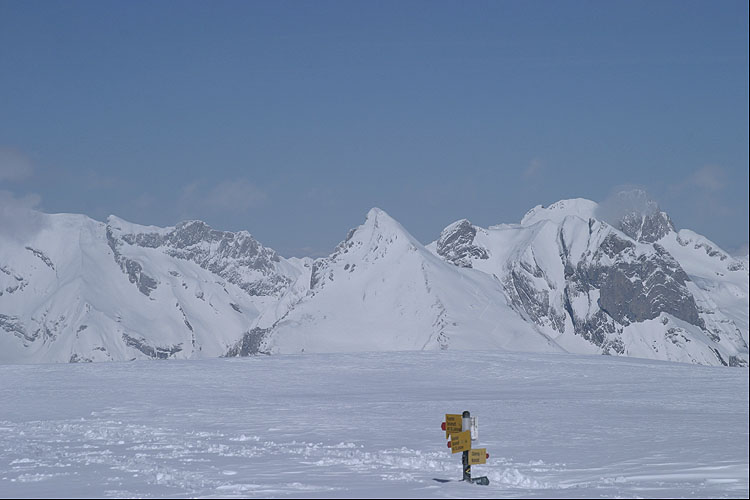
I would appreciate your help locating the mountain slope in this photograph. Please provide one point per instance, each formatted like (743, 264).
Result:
(81, 290)
(593, 288)
(382, 290)
(574, 276)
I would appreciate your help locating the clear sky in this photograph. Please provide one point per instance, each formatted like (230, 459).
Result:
(292, 119)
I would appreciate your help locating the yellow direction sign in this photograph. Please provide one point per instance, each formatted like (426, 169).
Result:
(453, 424)
(478, 456)
(460, 441)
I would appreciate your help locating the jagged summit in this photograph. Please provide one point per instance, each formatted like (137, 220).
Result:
(649, 227)
(565, 279)
(615, 288)
(379, 235)
(237, 257)
(636, 214)
(183, 234)
(81, 290)
(382, 290)
(631, 211)
(378, 220)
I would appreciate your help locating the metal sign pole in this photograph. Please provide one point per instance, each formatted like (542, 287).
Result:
(465, 426)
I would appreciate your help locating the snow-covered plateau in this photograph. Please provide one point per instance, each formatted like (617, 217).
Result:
(368, 425)
(572, 277)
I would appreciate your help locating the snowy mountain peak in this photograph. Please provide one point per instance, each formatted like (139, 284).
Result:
(578, 207)
(377, 232)
(375, 212)
(382, 290)
(589, 286)
(379, 237)
(236, 257)
(75, 289)
(379, 220)
(636, 214)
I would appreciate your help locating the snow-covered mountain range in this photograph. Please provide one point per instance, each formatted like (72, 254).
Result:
(570, 277)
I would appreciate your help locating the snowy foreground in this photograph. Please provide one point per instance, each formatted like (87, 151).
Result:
(368, 425)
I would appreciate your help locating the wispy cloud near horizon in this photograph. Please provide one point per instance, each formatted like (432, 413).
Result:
(239, 195)
(709, 179)
(14, 164)
(19, 215)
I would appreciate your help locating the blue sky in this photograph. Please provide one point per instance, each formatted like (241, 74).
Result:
(292, 119)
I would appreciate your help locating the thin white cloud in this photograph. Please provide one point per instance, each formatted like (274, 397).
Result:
(623, 200)
(238, 195)
(533, 169)
(19, 217)
(711, 178)
(14, 165)
(188, 191)
(704, 187)
(144, 201)
(95, 180)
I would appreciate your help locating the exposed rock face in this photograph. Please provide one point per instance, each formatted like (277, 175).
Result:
(634, 213)
(237, 257)
(635, 288)
(79, 290)
(250, 344)
(563, 280)
(156, 352)
(646, 227)
(145, 283)
(521, 283)
(14, 325)
(711, 252)
(456, 244)
(631, 288)
(47, 261)
(601, 285)
(15, 283)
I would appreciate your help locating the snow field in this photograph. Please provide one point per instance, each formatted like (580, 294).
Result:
(368, 425)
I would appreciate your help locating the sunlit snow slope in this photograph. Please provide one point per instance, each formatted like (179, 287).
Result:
(80, 290)
(572, 277)
(381, 290)
(368, 425)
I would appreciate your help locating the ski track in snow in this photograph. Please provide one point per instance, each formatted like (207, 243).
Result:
(367, 425)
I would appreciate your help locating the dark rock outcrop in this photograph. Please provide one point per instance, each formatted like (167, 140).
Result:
(250, 344)
(456, 244)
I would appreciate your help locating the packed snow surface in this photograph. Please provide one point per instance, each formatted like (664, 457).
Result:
(368, 425)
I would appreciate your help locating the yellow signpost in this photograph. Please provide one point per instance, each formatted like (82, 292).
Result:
(460, 429)
(452, 424)
(460, 441)
(478, 456)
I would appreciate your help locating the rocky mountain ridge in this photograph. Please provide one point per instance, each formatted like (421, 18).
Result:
(563, 280)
